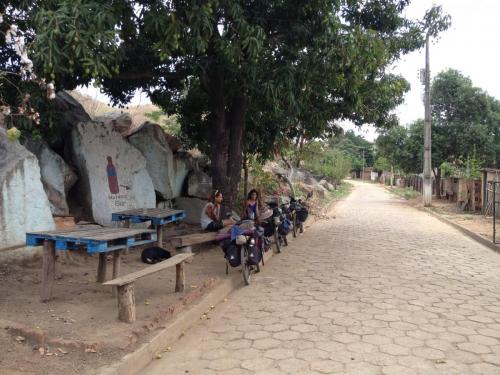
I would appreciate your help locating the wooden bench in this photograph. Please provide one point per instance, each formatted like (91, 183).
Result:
(125, 284)
(192, 239)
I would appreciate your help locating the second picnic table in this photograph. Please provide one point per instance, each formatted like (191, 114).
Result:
(157, 216)
(91, 238)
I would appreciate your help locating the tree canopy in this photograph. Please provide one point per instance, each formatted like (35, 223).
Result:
(240, 75)
(465, 126)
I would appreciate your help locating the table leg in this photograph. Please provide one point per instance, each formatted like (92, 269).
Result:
(101, 268)
(116, 267)
(48, 269)
(159, 235)
(126, 224)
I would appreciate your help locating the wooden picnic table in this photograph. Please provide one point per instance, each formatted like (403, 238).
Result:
(91, 238)
(157, 216)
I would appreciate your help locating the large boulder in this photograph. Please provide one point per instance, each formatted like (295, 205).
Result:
(70, 112)
(167, 170)
(199, 185)
(113, 174)
(319, 191)
(24, 207)
(120, 121)
(57, 176)
(193, 208)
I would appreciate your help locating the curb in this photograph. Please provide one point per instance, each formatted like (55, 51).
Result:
(133, 363)
(476, 237)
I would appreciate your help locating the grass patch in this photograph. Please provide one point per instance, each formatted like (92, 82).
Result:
(406, 193)
(342, 191)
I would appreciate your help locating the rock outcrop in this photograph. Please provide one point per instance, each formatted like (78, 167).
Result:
(167, 170)
(193, 208)
(57, 176)
(199, 185)
(113, 174)
(24, 207)
(121, 122)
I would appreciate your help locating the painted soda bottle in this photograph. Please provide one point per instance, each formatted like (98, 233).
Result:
(112, 177)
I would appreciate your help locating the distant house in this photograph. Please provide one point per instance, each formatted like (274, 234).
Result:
(369, 174)
(488, 176)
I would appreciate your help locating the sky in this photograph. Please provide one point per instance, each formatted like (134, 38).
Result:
(471, 45)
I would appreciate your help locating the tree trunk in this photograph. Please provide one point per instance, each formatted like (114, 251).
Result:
(438, 183)
(245, 174)
(227, 145)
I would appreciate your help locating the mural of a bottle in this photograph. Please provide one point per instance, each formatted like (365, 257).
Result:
(112, 177)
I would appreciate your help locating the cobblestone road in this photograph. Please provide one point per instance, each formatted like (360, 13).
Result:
(381, 289)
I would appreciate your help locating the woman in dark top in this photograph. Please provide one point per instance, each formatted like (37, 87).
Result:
(252, 206)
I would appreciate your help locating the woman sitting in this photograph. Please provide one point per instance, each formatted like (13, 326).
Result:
(252, 206)
(211, 214)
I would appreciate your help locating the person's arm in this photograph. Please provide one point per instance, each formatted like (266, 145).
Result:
(210, 212)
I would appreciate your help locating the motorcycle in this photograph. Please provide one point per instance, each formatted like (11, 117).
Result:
(246, 249)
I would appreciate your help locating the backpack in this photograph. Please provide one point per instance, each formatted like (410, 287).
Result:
(284, 227)
(231, 253)
(152, 255)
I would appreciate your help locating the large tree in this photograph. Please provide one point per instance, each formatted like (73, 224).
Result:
(239, 73)
(465, 125)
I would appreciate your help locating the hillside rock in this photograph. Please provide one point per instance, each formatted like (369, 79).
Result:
(167, 170)
(193, 208)
(199, 185)
(113, 174)
(121, 122)
(24, 207)
(57, 176)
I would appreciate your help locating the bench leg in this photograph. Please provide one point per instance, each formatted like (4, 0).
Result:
(126, 303)
(101, 268)
(159, 236)
(116, 266)
(179, 277)
(48, 269)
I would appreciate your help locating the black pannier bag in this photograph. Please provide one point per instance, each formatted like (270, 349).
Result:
(268, 229)
(254, 255)
(302, 214)
(231, 253)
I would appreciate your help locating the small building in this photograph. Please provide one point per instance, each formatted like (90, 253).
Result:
(368, 173)
(488, 176)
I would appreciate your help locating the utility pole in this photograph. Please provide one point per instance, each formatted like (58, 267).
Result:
(363, 172)
(427, 186)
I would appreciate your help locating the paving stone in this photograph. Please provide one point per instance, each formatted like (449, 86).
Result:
(385, 289)
(294, 365)
(398, 370)
(224, 364)
(279, 353)
(474, 348)
(266, 343)
(485, 369)
(327, 366)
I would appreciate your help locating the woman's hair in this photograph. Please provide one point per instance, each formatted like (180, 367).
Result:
(249, 195)
(215, 194)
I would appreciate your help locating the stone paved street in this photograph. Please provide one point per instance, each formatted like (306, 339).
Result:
(381, 289)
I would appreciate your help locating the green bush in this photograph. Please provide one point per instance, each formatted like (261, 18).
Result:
(328, 162)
